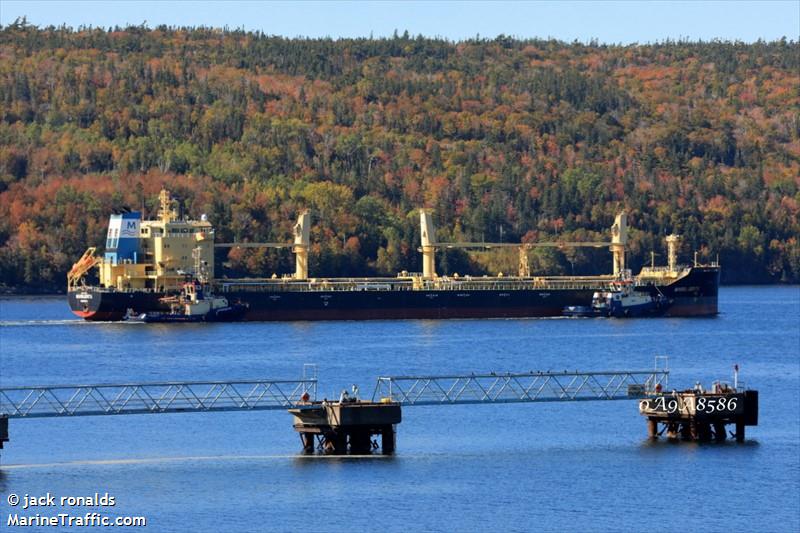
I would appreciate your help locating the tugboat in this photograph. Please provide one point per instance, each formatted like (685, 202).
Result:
(194, 305)
(621, 302)
(626, 302)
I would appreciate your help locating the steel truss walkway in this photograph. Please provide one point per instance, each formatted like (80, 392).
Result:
(138, 398)
(517, 388)
(259, 395)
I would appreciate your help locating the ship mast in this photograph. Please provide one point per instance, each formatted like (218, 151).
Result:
(428, 238)
(302, 239)
(673, 243)
(200, 273)
(619, 238)
(166, 212)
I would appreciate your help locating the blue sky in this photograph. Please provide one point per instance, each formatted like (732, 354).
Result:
(609, 22)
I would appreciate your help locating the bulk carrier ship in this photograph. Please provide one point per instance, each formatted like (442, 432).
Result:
(146, 264)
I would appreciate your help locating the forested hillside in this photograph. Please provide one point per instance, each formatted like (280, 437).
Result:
(504, 139)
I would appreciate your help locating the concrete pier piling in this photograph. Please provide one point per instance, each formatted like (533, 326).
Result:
(3, 430)
(652, 428)
(347, 427)
(698, 415)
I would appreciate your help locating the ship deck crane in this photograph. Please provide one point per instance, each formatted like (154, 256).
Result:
(429, 246)
(524, 248)
(302, 241)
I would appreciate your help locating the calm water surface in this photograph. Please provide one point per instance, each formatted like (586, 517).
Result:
(546, 467)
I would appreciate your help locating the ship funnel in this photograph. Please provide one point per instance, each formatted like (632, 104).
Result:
(302, 240)
(428, 235)
(673, 243)
(619, 238)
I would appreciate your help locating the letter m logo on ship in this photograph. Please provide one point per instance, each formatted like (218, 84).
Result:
(130, 229)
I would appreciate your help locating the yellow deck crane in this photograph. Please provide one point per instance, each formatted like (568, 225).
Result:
(429, 246)
(302, 241)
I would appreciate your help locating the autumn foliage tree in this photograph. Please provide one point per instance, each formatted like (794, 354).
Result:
(505, 139)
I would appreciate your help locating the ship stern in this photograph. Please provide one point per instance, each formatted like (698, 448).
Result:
(96, 305)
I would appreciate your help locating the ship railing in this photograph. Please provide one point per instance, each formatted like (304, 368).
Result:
(115, 289)
(432, 285)
(656, 270)
(576, 278)
(587, 283)
(664, 272)
(318, 286)
(578, 285)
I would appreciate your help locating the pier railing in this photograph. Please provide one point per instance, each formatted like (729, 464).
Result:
(209, 396)
(519, 387)
(168, 397)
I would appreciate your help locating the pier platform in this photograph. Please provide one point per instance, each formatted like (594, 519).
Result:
(699, 415)
(3, 430)
(347, 426)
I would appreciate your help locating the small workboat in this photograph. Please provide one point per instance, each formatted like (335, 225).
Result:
(194, 304)
(622, 301)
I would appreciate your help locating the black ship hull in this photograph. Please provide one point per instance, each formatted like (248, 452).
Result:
(100, 304)
(692, 295)
(422, 304)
